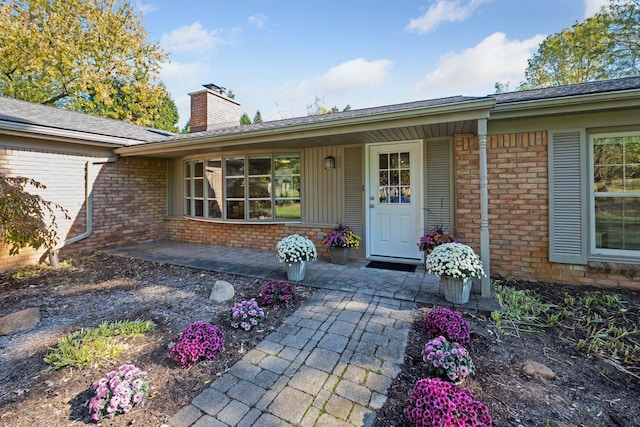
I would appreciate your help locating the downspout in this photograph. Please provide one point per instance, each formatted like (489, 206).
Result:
(485, 289)
(88, 202)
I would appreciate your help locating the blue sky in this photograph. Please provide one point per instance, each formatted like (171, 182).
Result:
(278, 55)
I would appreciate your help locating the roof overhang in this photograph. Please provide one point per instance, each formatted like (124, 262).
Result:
(605, 101)
(315, 133)
(27, 130)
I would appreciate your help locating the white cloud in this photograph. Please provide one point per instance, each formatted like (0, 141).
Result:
(494, 59)
(355, 74)
(144, 8)
(183, 78)
(190, 38)
(259, 20)
(591, 7)
(444, 11)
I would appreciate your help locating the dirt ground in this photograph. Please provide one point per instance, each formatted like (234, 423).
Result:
(587, 390)
(108, 288)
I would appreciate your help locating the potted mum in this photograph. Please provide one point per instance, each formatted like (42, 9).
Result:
(455, 264)
(435, 237)
(295, 251)
(339, 243)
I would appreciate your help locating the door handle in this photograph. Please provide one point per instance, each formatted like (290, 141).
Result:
(371, 205)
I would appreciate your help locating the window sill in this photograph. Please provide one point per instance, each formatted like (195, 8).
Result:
(223, 221)
(624, 268)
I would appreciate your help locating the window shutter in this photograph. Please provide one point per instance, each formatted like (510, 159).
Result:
(353, 191)
(567, 197)
(438, 184)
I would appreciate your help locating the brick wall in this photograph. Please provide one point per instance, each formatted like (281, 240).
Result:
(254, 236)
(210, 108)
(129, 197)
(129, 204)
(518, 211)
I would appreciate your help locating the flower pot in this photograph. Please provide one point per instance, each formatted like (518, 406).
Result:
(296, 270)
(339, 255)
(456, 290)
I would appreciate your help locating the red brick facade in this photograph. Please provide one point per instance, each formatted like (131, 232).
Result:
(518, 211)
(129, 197)
(254, 236)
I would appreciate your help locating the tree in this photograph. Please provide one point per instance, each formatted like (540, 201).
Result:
(602, 47)
(257, 118)
(317, 107)
(84, 55)
(244, 119)
(24, 216)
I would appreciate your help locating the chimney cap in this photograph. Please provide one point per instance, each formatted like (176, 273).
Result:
(215, 88)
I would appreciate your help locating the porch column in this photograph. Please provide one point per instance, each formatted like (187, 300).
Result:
(484, 209)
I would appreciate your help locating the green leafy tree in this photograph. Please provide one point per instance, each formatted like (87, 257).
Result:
(244, 119)
(602, 47)
(26, 219)
(317, 107)
(257, 118)
(84, 55)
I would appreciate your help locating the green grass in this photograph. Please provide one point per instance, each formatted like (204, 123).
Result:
(95, 345)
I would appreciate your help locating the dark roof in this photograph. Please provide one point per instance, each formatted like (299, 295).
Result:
(570, 90)
(56, 118)
(18, 111)
(326, 118)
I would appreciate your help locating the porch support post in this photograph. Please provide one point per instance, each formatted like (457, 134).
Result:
(484, 209)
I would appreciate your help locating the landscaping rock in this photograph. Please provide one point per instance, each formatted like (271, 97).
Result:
(19, 321)
(534, 368)
(222, 291)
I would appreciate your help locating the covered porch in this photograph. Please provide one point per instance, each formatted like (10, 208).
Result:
(419, 286)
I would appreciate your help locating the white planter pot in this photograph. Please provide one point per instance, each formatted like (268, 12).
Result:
(296, 270)
(456, 290)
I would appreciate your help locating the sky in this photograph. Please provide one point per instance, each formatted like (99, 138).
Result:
(278, 56)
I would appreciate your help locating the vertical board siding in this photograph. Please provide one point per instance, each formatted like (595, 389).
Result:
(354, 193)
(567, 198)
(323, 193)
(438, 186)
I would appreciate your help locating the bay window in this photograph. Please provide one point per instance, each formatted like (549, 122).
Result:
(244, 188)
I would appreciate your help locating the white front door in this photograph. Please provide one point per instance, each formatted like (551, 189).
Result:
(394, 201)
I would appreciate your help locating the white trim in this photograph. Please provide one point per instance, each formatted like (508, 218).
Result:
(367, 170)
(595, 252)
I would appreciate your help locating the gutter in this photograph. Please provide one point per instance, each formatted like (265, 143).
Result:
(88, 202)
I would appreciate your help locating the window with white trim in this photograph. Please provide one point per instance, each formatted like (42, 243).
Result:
(251, 188)
(615, 189)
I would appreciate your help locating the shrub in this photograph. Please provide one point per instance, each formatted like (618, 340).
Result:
(277, 293)
(245, 314)
(447, 360)
(93, 345)
(436, 403)
(118, 392)
(341, 237)
(448, 323)
(197, 341)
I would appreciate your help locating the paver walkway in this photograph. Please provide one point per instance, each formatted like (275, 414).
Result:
(331, 362)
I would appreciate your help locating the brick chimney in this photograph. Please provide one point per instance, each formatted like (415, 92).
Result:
(212, 109)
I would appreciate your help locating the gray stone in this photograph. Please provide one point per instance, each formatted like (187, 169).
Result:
(222, 291)
(290, 405)
(19, 321)
(185, 416)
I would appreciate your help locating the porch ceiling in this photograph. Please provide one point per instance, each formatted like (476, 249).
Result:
(303, 140)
